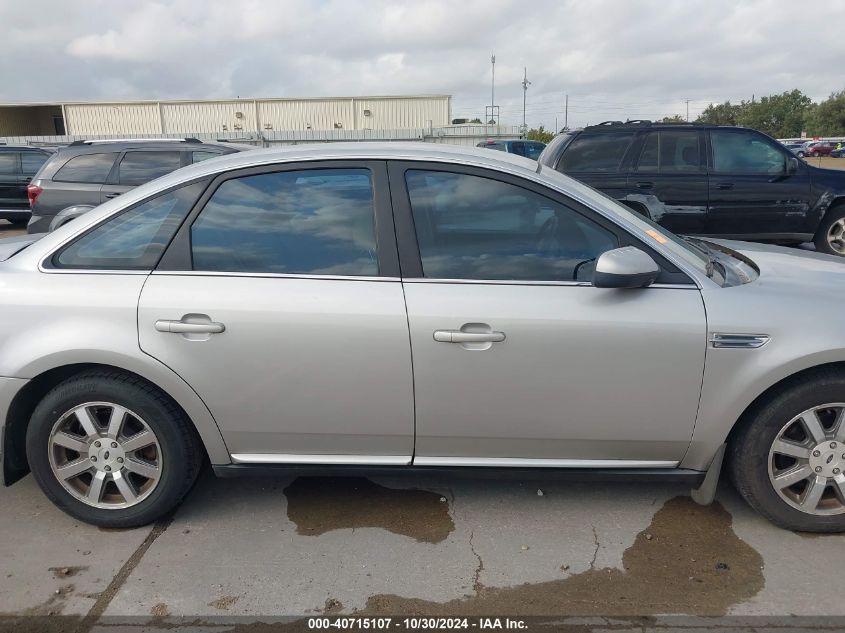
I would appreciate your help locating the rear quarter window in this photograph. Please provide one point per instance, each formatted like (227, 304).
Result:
(601, 152)
(90, 168)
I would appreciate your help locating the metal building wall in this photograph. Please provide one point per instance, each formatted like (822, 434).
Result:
(112, 118)
(399, 112)
(208, 117)
(305, 114)
(257, 115)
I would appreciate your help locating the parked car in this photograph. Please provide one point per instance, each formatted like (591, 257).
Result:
(18, 164)
(529, 149)
(707, 180)
(839, 152)
(87, 173)
(795, 148)
(411, 306)
(821, 148)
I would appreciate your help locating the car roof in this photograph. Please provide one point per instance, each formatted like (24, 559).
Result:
(119, 145)
(26, 148)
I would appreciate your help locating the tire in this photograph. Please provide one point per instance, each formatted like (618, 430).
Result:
(749, 457)
(172, 453)
(801, 154)
(833, 218)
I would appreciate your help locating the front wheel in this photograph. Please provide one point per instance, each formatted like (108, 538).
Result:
(830, 236)
(801, 154)
(788, 457)
(109, 449)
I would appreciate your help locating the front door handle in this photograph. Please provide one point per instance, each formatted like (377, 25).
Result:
(181, 327)
(459, 336)
(645, 185)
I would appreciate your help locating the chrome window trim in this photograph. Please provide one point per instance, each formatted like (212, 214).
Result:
(290, 458)
(87, 271)
(522, 282)
(212, 273)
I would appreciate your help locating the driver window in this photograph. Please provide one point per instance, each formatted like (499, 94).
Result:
(470, 227)
(743, 152)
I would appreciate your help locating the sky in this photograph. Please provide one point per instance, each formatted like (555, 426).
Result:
(616, 59)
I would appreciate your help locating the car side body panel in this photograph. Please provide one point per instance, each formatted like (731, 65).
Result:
(734, 378)
(38, 333)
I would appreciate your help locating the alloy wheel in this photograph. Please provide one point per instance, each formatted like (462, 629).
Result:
(105, 455)
(836, 236)
(807, 459)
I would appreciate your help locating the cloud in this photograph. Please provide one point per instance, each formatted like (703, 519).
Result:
(614, 59)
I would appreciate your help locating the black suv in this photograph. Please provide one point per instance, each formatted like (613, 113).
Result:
(87, 173)
(18, 164)
(717, 181)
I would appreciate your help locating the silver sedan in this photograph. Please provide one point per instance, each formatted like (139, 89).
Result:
(411, 307)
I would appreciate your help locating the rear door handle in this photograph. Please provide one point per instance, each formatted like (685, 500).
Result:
(458, 336)
(112, 195)
(645, 185)
(180, 327)
(724, 185)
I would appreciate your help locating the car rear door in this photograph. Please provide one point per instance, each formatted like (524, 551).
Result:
(670, 179)
(753, 194)
(279, 302)
(518, 359)
(9, 180)
(138, 166)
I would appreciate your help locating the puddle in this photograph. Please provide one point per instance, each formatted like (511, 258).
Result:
(688, 561)
(320, 504)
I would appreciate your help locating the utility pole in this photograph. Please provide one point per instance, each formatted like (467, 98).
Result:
(566, 114)
(687, 100)
(493, 86)
(525, 84)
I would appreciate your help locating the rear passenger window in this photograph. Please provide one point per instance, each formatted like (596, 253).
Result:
(137, 168)
(8, 163)
(670, 151)
(316, 221)
(31, 162)
(601, 152)
(470, 227)
(134, 239)
(91, 168)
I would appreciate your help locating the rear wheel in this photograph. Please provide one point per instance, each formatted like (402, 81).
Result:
(109, 449)
(788, 458)
(830, 236)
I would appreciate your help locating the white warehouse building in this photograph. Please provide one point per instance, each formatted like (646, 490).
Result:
(259, 120)
(221, 116)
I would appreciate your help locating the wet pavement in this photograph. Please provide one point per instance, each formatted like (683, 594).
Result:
(313, 545)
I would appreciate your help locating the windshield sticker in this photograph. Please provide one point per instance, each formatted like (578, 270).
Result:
(657, 237)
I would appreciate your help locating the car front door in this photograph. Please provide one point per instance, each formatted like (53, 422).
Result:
(279, 301)
(754, 193)
(670, 179)
(517, 358)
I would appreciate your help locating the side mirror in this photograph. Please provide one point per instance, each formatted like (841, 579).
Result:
(626, 267)
(791, 165)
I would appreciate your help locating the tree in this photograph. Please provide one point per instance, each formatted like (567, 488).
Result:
(540, 134)
(675, 118)
(828, 117)
(721, 113)
(780, 116)
(476, 120)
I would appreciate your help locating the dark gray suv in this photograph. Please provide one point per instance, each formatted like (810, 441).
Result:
(87, 173)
